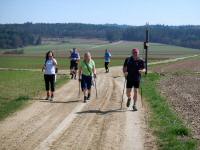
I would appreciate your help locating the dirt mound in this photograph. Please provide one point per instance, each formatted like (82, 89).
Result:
(183, 93)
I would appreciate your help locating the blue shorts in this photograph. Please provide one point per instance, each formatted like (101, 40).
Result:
(86, 82)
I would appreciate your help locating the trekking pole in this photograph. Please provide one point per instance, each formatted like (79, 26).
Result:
(95, 85)
(123, 93)
(79, 89)
(141, 93)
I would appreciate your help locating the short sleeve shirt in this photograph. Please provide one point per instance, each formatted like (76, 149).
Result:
(87, 68)
(133, 67)
(107, 56)
(75, 56)
(50, 68)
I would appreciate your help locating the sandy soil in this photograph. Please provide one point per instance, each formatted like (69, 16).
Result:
(180, 66)
(181, 86)
(68, 123)
(183, 93)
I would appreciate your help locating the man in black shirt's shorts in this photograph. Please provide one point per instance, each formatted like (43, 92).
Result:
(133, 67)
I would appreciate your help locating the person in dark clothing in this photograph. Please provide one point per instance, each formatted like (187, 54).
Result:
(74, 59)
(133, 67)
(107, 57)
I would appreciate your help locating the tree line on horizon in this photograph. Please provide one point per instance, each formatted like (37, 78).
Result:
(20, 35)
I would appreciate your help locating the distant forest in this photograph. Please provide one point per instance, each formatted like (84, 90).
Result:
(20, 35)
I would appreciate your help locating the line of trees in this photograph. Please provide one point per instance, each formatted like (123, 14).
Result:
(19, 35)
(12, 38)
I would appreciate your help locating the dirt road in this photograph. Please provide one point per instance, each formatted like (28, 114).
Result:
(68, 123)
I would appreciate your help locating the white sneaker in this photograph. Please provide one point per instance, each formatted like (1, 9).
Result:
(51, 99)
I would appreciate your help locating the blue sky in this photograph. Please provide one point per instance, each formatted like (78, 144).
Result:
(131, 12)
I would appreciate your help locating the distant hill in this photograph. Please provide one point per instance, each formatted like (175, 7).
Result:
(19, 35)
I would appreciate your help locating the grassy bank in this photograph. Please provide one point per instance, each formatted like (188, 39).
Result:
(17, 87)
(171, 132)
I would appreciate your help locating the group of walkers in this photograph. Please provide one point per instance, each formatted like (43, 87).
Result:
(85, 70)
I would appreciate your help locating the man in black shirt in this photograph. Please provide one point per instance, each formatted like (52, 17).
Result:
(133, 67)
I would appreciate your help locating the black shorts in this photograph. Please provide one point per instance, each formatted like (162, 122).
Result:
(86, 82)
(73, 65)
(133, 83)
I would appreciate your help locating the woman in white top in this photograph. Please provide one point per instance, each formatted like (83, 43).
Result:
(49, 74)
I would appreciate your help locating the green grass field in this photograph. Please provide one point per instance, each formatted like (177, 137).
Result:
(37, 62)
(19, 86)
(34, 55)
(118, 49)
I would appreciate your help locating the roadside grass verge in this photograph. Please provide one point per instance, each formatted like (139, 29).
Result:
(171, 132)
(18, 87)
